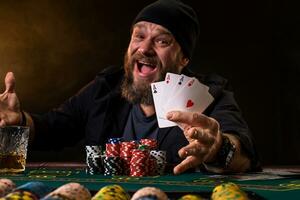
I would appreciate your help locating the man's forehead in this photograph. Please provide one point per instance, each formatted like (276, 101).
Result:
(156, 27)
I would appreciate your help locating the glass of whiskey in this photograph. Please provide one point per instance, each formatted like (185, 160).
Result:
(13, 148)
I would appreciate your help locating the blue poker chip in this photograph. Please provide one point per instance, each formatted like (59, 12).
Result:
(115, 140)
(39, 189)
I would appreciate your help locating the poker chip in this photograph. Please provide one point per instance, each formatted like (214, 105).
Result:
(143, 147)
(94, 160)
(113, 147)
(112, 166)
(190, 197)
(111, 192)
(152, 143)
(127, 158)
(20, 195)
(29, 191)
(6, 186)
(70, 191)
(139, 162)
(126, 149)
(228, 191)
(160, 158)
(150, 193)
(115, 140)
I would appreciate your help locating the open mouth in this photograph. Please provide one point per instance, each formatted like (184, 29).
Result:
(146, 68)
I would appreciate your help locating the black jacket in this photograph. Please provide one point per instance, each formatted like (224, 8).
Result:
(98, 112)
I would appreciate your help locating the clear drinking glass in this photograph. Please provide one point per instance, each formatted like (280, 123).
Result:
(13, 148)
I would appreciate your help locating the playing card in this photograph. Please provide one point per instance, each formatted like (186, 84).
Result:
(192, 97)
(169, 83)
(156, 89)
(173, 84)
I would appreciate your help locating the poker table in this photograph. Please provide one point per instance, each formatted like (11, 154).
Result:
(272, 183)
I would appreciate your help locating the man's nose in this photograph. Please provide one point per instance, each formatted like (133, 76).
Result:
(146, 48)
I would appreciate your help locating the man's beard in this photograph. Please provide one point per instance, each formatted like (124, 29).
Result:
(140, 93)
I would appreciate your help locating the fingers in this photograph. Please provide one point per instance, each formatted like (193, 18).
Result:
(193, 154)
(10, 82)
(192, 119)
(202, 135)
(2, 121)
(189, 162)
(193, 149)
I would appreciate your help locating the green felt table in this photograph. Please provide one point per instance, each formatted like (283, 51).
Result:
(264, 185)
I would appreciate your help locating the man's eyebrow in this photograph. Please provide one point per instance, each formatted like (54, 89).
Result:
(159, 30)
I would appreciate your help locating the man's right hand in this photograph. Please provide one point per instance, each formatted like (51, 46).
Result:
(10, 112)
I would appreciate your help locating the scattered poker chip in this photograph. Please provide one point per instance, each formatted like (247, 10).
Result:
(20, 195)
(111, 192)
(190, 197)
(6, 186)
(70, 191)
(29, 191)
(228, 191)
(149, 193)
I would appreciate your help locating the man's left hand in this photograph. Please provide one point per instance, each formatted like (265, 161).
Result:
(204, 137)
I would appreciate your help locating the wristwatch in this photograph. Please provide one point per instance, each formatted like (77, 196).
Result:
(226, 152)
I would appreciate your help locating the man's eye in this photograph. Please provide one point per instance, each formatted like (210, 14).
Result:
(139, 36)
(163, 42)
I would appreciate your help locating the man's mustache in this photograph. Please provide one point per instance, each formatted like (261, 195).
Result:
(153, 60)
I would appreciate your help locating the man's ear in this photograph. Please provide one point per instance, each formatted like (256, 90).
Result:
(183, 62)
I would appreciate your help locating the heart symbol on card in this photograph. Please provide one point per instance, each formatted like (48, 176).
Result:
(189, 103)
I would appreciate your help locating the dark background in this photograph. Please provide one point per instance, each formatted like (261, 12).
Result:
(55, 47)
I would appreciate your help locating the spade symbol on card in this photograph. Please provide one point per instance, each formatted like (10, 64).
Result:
(189, 103)
(154, 89)
(180, 81)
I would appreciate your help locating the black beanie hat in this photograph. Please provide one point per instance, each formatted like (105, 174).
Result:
(179, 18)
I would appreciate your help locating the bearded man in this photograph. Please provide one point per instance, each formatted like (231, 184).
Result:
(119, 103)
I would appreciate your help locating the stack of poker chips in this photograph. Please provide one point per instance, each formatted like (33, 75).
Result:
(139, 162)
(28, 191)
(94, 160)
(126, 158)
(112, 161)
(149, 193)
(126, 155)
(6, 186)
(113, 192)
(70, 191)
(228, 191)
(146, 160)
(159, 159)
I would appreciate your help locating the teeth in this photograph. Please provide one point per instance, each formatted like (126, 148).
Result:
(145, 63)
